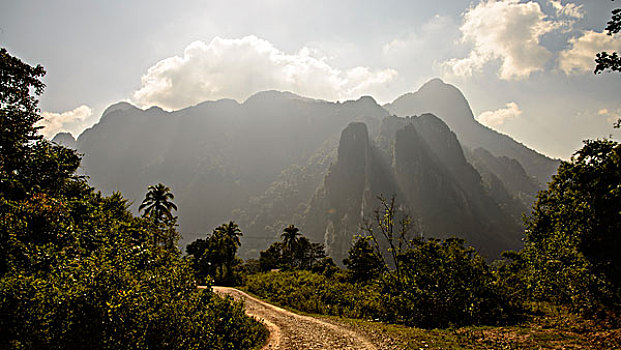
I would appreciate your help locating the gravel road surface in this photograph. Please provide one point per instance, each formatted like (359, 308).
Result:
(296, 332)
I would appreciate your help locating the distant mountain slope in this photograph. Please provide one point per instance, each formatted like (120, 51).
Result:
(215, 156)
(279, 158)
(450, 105)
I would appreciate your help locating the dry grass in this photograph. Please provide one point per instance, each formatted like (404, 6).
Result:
(553, 332)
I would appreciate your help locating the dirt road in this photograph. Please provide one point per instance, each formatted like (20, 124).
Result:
(295, 332)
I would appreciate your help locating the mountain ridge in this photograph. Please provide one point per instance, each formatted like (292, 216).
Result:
(261, 162)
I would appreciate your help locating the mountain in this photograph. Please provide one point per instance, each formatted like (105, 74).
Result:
(216, 156)
(425, 168)
(450, 105)
(278, 158)
(65, 139)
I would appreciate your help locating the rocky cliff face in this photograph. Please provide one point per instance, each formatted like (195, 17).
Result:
(430, 177)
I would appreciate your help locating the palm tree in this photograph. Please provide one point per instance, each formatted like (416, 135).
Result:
(228, 242)
(231, 230)
(290, 239)
(158, 203)
(158, 206)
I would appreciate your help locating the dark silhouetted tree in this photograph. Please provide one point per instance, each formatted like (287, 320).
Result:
(158, 207)
(290, 239)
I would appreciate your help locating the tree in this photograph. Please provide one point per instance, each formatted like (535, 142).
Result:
(158, 207)
(290, 240)
(18, 111)
(272, 257)
(228, 243)
(386, 217)
(216, 255)
(573, 234)
(363, 262)
(232, 231)
(158, 203)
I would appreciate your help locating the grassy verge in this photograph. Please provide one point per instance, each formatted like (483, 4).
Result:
(555, 330)
(541, 332)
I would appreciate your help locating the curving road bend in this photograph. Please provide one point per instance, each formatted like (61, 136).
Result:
(296, 332)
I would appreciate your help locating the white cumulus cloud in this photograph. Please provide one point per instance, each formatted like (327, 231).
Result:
(510, 32)
(54, 123)
(580, 56)
(499, 116)
(237, 68)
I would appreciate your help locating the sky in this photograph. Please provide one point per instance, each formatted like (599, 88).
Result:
(525, 66)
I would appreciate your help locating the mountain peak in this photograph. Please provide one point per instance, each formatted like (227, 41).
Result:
(65, 139)
(270, 95)
(437, 97)
(119, 107)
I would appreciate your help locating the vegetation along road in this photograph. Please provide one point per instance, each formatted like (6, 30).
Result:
(296, 332)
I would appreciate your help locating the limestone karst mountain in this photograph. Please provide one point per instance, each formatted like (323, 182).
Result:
(279, 158)
(434, 96)
(425, 167)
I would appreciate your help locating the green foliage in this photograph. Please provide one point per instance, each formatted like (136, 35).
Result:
(604, 60)
(317, 293)
(432, 284)
(215, 257)
(363, 262)
(18, 114)
(444, 283)
(573, 235)
(77, 269)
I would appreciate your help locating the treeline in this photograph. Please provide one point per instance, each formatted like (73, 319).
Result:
(77, 269)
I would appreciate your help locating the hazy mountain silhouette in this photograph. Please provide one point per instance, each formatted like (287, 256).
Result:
(215, 156)
(65, 139)
(279, 158)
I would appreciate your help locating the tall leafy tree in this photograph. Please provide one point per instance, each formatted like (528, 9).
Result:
(228, 243)
(18, 110)
(573, 235)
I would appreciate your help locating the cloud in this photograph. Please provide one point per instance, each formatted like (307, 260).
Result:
(508, 31)
(54, 123)
(580, 56)
(237, 68)
(611, 116)
(569, 10)
(499, 116)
